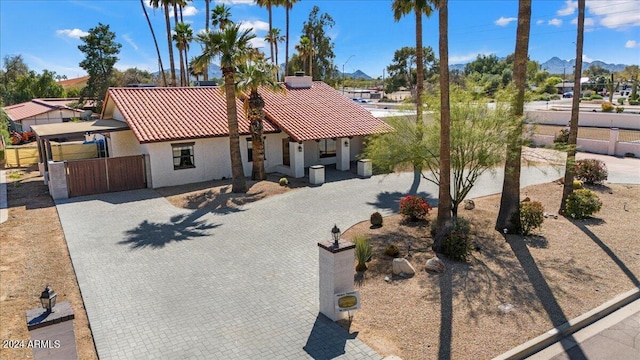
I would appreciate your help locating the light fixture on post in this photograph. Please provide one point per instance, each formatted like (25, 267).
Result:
(346, 143)
(335, 233)
(299, 148)
(48, 299)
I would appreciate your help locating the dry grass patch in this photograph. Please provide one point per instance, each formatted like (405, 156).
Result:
(33, 254)
(510, 291)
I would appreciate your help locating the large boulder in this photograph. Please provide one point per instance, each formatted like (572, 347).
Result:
(403, 266)
(435, 265)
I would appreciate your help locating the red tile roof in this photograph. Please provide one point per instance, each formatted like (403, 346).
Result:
(164, 113)
(25, 110)
(175, 113)
(75, 82)
(319, 112)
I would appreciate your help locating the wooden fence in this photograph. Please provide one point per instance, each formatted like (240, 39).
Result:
(25, 155)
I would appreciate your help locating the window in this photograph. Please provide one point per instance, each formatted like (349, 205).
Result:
(327, 148)
(250, 149)
(183, 156)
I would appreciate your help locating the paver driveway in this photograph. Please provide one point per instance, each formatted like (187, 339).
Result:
(162, 282)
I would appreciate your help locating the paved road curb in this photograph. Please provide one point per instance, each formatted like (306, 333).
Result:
(4, 211)
(554, 335)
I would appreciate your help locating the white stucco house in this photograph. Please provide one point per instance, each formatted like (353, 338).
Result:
(183, 131)
(43, 111)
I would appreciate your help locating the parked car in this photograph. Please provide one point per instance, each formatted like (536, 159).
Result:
(365, 101)
(568, 94)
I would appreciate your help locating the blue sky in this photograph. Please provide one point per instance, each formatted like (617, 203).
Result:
(46, 33)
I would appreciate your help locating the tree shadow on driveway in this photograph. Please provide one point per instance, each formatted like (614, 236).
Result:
(156, 235)
(391, 200)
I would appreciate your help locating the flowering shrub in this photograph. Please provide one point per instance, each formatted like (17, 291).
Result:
(591, 171)
(414, 207)
(531, 216)
(582, 203)
(607, 107)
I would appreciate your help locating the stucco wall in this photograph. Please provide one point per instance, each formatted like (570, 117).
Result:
(594, 119)
(273, 152)
(123, 143)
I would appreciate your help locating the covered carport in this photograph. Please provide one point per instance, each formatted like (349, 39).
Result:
(47, 132)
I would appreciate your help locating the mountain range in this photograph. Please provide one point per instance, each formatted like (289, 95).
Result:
(554, 65)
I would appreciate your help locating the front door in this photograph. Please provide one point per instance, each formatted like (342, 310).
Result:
(285, 152)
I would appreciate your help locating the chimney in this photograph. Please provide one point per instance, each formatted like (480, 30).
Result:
(299, 81)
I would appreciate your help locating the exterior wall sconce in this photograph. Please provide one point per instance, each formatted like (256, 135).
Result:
(335, 233)
(48, 299)
(299, 148)
(346, 143)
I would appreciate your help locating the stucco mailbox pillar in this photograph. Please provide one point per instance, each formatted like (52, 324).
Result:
(365, 168)
(336, 275)
(296, 159)
(614, 134)
(52, 334)
(57, 174)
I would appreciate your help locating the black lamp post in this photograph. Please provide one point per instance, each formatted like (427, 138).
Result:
(48, 298)
(335, 233)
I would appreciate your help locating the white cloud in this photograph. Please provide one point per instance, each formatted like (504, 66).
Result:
(463, 59)
(614, 13)
(234, 2)
(75, 33)
(258, 43)
(570, 8)
(503, 21)
(630, 44)
(555, 22)
(129, 41)
(257, 25)
(539, 22)
(189, 10)
(587, 59)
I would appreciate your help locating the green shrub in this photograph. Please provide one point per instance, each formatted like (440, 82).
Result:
(619, 109)
(457, 245)
(577, 184)
(376, 219)
(634, 102)
(591, 171)
(595, 97)
(607, 107)
(621, 100)
(414, 208)
(587, 94)
(562, 137)
(392, 251)
(582, 203)
(531, 216)
(629, 154)
(363, 251)
(283, 181)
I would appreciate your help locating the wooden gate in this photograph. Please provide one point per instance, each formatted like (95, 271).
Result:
(97, 176)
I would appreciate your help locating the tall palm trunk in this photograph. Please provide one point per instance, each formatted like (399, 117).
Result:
(286, 50)
(256, 115)
(270, 27)
(205, 75)
(508, 216)
(170, 43)
(239, 184)
(444, 185)
(417, 167)
(575, 109)
(155, 42)
(175, 24)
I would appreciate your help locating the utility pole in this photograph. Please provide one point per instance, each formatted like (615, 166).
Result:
(345, 63)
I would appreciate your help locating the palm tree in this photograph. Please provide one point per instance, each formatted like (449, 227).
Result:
(195, 70)
(444, 185)
(233, 46)
(418, 7)
(255, 75)
(274, 38)
(206, 28)
(575, 109)
(306, 50)
(165, 6)
(510, 198)
(183, 36)
(155, 41)
(269, 4)
(288, 4)
(221, 16)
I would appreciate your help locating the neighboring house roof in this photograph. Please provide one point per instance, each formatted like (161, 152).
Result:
(25, 110)
(319, 112)
(75, 82)
(175, 113)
